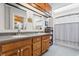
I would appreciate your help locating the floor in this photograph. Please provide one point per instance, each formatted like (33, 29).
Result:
(56, 50)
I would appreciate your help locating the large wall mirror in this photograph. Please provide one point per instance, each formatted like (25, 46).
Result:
(16, 18)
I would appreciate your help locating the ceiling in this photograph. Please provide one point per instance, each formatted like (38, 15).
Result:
(59, 5)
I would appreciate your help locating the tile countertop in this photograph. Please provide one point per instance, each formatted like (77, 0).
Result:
(5, 39)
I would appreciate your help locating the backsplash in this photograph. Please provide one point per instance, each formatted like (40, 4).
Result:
(8, 33)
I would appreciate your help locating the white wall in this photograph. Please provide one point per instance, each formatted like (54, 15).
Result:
(73, 8)
(66, 10)
(2, 16)
(66, 29)
(68, 19)
(59, 5)
(50, 21)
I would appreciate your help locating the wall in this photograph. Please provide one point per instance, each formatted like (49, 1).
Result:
(59, 5)
(50, 22)
(2, 27)
(66, 26)
(71, 9)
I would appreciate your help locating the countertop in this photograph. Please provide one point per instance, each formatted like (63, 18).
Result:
(6, 39)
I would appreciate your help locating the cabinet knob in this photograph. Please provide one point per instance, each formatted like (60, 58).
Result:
(21, 49)
(18, 50)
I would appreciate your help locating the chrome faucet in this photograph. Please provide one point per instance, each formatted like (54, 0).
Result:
(18, 33)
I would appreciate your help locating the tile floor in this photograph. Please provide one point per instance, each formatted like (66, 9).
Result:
(56, 50)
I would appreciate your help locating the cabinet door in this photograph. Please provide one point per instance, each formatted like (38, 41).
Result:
(45, 43)
(37, 52)
(11, 53)
(37, 48)
(43, 46)
(26, 51)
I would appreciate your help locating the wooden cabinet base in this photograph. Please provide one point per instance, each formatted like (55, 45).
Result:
(34, 46)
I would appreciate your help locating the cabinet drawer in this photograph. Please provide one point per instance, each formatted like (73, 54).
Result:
(36, 45)
(39, 44)
(24, 42)
(11, 53)
(45, 37)
(36, 39)
(37, 52)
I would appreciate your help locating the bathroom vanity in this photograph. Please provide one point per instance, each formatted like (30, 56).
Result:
(24, 45)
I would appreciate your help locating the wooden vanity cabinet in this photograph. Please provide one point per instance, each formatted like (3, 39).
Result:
(36, 46)
(45, 43)
(33, 46)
